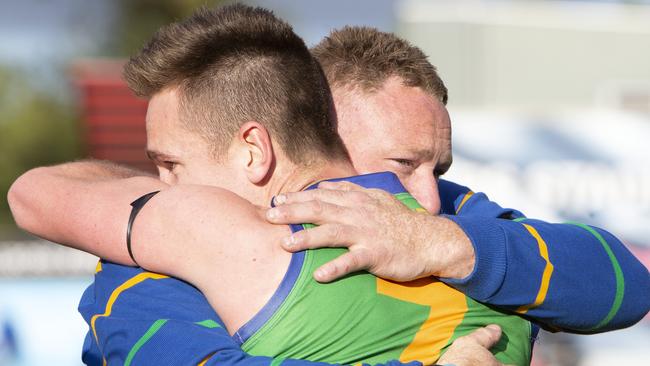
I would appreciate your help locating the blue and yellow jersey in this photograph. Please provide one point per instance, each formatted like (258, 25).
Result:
(138, 317)
(566, 276)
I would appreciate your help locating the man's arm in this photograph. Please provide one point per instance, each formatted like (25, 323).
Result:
(567, 276)
(86, 205)
(83, 205)
(581, 278)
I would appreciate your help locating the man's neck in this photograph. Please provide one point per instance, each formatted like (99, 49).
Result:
(296, 178)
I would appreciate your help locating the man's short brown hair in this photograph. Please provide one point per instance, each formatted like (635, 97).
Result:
(235, 64)
(364, 57)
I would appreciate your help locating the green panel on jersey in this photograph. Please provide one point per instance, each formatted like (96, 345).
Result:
(352, 320)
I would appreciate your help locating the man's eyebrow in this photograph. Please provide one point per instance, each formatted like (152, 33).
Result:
(421, 153)
(157, 155)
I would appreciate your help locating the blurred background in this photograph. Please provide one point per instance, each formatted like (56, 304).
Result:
(550, 105)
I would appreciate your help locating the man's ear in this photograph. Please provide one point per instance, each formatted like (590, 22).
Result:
(261, 159)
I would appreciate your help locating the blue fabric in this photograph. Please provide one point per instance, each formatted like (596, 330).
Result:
(509, 268)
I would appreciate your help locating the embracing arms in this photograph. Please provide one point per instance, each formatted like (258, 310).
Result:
(86, 205)
(569, 277)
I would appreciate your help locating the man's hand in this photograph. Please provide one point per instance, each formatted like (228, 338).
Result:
(383, 236)
(473, 349)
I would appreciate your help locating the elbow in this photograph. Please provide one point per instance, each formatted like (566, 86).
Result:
(638, 293)
(634, 304)
(18, 197)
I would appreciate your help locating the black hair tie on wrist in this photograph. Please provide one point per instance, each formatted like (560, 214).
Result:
(137, 206)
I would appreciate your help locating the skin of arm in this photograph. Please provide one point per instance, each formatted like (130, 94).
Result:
(79, 205)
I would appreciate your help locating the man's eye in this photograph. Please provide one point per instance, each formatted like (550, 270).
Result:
(405, 162)
(169, 165)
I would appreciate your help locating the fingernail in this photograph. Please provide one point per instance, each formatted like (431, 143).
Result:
(272, 213)
(321, 273)
(280, 199)
(289, 241)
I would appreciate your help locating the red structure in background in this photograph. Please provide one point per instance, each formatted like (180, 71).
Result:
(113, 117)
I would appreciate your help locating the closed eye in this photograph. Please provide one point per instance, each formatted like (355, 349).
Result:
(405, 162)
(169, 165)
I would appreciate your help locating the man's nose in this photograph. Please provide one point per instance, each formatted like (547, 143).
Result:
(426, 193)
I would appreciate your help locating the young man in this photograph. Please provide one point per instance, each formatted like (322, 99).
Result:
(409, 168)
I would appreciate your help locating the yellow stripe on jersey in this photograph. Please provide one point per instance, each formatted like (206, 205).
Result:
(464, 200)
(117, 292)
(98, 267)
(206, 359)
(434, 334)
(546, 275)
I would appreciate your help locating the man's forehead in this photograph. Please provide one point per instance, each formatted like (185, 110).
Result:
(163, 107)
(397, 120)
(409, 118)
(164, 131)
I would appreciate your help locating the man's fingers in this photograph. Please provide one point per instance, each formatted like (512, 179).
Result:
(346, 196)
(487, 336)
(315, 212)
(328, 235)
(341, 186)
(344, 264)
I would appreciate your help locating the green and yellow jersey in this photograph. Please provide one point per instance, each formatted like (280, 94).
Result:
(365, 319)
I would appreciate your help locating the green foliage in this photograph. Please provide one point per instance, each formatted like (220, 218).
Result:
(36, 129)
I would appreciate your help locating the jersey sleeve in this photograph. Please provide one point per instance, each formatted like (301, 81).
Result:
(137, 317)
(569, 276)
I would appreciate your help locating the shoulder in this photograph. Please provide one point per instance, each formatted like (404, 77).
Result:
(209, 217)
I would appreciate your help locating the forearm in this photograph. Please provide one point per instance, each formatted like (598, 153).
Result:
(92, 170)
(84, 205)
(569, 277)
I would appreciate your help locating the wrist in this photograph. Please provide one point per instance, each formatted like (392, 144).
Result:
(452, 254)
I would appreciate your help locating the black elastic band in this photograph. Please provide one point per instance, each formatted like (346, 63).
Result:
(137, 206)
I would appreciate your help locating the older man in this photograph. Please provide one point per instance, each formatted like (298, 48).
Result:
(391, 112)
(432, 156)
